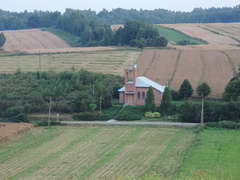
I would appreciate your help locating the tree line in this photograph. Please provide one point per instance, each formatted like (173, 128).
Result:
(94, 28)
(67, 92)
(162, 16)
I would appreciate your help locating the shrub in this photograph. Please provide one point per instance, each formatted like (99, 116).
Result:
(90, 116)
(130, 113)
(152, 115)
(189, 112)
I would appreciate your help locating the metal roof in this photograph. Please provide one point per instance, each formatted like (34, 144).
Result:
(146, 82)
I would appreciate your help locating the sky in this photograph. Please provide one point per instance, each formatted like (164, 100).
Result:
(97, 5)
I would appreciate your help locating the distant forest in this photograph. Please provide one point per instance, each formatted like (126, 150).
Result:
(94, 28)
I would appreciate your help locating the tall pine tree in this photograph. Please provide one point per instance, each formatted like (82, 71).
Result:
(185, 90)
(166, 105)
(149, 101)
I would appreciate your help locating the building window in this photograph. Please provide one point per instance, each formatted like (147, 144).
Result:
(139, 95)
(143, 95)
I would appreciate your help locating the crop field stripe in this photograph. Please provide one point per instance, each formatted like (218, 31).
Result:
(175, 68)
(151, 62)
(231, 63)
(203, 67)
(26, 142)
(114, 152)
(89, 134)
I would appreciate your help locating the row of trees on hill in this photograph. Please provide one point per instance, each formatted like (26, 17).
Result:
(38, 19)
(162, 16)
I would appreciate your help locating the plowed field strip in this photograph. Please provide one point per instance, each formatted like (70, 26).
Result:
(150, 63)
(203, 68)
(175, 68)
(231, 63)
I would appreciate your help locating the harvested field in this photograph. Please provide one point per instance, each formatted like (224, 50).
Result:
(95, 153)
(23, 40)
(7, 130)
(214, 66)
(203, 31)
(111, 61)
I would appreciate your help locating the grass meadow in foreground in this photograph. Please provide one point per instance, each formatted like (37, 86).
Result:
(93, 152)
(214, 156)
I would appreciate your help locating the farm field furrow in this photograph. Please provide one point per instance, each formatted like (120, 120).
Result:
(93, 152)
(200, 31)
(189, 67)
(173, 66)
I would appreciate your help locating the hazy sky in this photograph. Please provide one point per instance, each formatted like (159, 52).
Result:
(61, 5)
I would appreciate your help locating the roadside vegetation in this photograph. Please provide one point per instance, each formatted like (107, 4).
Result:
(177, 37)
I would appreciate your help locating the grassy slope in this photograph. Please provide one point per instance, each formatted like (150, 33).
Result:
(71, 39)
(94, 152)
(215, 155)
(175, 36)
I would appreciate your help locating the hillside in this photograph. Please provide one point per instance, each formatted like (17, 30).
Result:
(23, 40)
(214, 33)
(216, 66)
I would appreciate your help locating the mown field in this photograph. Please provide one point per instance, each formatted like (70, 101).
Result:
(109, 61)
(95, 153)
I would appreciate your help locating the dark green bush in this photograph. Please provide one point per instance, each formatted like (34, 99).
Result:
(130, 113)
(91, 116)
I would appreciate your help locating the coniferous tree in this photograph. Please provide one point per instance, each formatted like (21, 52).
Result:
(185, 90)
(166, 105)
(149, 101)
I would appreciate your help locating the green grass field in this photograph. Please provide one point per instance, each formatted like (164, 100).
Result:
(71, 39)
(174, 36)
(122, 153)
(214, 156)
(94, 153)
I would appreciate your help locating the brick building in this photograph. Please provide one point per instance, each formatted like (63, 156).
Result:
(135, 90)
